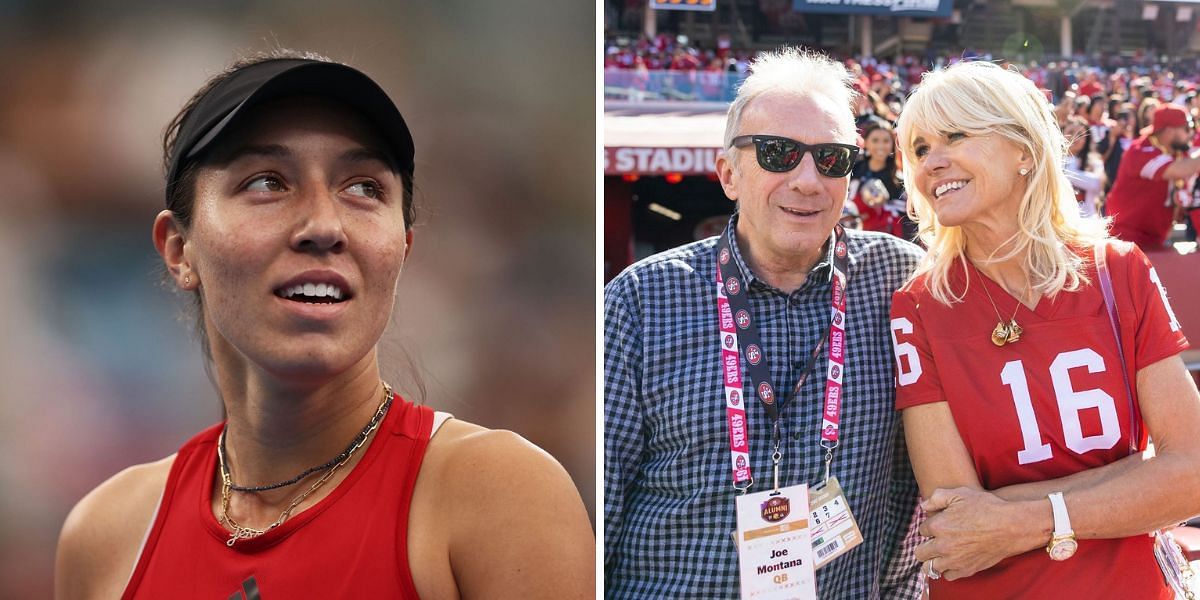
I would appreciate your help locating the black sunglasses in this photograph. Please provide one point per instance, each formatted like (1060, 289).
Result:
(780, 154)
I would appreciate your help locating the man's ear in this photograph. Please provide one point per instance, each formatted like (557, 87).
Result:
(728, 175)
(170, 241)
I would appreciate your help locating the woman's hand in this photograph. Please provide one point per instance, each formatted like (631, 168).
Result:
(970, 530)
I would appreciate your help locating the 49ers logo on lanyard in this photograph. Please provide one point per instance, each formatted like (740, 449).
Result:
(767, 393)
(733, 312)
(753, 354)
(743, 319)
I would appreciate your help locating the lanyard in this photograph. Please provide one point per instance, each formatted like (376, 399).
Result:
(733, 312)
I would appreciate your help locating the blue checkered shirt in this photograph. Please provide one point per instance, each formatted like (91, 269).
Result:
(668, 495)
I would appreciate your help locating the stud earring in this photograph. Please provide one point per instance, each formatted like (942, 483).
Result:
(1024, 171)
(187, 280)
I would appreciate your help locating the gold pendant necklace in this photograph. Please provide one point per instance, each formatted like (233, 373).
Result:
(1004, 333)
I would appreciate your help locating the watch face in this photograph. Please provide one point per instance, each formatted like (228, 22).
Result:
(1063, 549)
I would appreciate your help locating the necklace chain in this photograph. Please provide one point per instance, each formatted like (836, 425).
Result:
(337, 459)
(1004, 333)
(241, 532)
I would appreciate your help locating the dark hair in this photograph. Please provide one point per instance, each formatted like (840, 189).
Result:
(1114, 104)
(181, 201)
(1086, 135)
(890, 162)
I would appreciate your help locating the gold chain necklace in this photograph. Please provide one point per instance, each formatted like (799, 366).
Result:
(1004, 333)
(241, 532)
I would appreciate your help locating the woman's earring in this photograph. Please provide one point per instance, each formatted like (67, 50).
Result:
(1024, 171)
(187, 280)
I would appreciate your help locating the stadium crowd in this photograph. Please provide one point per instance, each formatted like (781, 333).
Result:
(1105, 105)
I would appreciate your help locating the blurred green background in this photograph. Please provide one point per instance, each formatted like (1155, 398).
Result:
(99, 371)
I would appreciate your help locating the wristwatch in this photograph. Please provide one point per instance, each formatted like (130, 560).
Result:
(1062, 542)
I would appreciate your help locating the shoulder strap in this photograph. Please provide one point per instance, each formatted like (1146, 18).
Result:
(1100, 251)
(439, 418)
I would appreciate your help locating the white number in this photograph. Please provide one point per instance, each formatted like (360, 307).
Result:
(1070, 403)
(1162, 293)
(1013, 376)
(905, 350)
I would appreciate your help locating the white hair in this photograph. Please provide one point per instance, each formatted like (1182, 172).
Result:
(796, 71)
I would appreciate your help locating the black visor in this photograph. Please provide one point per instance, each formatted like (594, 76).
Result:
(221, 107)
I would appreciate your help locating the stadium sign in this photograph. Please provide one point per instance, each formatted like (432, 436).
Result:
(705, 5)
(893, 8)
(659, 161)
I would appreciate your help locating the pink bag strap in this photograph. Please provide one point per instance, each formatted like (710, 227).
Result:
(1100, 251)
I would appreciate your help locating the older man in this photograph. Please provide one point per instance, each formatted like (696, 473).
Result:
(675, 457)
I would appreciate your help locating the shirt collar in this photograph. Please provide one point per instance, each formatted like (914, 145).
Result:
(823, 270)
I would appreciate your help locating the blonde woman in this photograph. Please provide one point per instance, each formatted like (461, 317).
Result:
(1024, 432)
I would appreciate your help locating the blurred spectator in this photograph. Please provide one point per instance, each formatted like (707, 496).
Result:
(1113, 146)
(1145, 112)
(875, 185)
(1082, 106)
(712, 79)
(1115, 101)
(1150, 180)
(1097, 117)
(1087, 183)
(850, 217)
(864, 107)
(1090, 86)
(1065, 107)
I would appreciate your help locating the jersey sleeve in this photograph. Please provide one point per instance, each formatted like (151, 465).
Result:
(1157, 332)
(917, 380)
(1153, 167)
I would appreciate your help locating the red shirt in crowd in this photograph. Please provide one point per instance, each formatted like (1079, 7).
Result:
(1090, 88)
(1139, 202)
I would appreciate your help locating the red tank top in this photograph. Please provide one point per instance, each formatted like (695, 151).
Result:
(351, 544)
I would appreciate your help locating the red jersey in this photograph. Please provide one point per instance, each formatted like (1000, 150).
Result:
(1049, 405)
(1090, 88)
(351, 544)
(1139, 201)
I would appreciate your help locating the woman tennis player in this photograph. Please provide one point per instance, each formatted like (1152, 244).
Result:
(289, 213)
